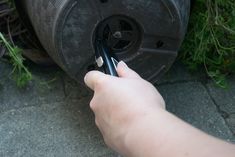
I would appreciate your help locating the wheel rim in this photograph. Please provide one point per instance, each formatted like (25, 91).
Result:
(120, 33)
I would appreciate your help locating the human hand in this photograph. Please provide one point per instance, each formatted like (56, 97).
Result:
(120, 103)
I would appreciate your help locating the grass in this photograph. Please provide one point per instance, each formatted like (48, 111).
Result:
(10, 25)
(20, 73)
(210, 41)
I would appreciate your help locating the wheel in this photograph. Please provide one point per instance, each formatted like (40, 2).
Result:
(145, 34)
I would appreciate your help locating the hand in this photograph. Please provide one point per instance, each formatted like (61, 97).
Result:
(131, 116)
(120, 103)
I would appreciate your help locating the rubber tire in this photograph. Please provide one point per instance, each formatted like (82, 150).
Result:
(66, 28)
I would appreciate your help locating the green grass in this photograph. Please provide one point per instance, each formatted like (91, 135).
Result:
(210, 41)
(20, 73)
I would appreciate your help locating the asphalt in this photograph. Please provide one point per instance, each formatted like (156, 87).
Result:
(51, 116)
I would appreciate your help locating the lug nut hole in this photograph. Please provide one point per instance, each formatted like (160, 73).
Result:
(159, 44)
(103, 1)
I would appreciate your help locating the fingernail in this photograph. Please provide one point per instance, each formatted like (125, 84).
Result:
(85, 79)
(123, 64)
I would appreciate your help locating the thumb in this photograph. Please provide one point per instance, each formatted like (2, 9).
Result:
(92, 78)
(125, 72)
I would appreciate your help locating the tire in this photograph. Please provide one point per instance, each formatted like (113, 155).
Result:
(66, 30)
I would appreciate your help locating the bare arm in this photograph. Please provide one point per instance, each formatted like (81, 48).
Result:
(131, 116)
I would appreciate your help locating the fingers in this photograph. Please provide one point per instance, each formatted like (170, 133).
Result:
(93, 78)
(124, 71)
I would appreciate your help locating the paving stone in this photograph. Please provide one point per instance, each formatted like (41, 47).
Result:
(56, 129)
(49, 117)
(225, 100)
(179, 73)
(231, 122)
(38, 91)
(191, 102)
(73, 89)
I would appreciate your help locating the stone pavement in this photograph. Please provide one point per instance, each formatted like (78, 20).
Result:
(51, 116)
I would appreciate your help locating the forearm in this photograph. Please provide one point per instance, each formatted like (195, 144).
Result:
(152, 136)
(130, 114)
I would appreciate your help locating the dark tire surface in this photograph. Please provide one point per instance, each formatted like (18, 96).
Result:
(66, 29)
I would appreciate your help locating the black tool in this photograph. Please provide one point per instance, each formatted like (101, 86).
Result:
(105, 58)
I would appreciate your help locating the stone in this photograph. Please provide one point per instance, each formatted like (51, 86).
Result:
(224, 98)
(191, 102)
(179, 73)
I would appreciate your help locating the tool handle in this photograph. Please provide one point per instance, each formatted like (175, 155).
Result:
(110, 62)
(106, 59)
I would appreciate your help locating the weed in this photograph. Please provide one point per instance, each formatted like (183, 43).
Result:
(10, 28)
(211, 39)
(20, 73)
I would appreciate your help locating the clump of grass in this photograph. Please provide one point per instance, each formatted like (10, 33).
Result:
(11, 29)
(20, 73)
(211, 39)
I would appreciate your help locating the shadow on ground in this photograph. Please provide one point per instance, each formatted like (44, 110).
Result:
(51, 116)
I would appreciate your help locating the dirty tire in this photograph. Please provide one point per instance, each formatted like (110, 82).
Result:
(66, 30)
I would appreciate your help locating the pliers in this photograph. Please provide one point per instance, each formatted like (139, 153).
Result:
(105, 58)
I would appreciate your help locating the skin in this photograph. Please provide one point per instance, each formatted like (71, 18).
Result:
(131, 115)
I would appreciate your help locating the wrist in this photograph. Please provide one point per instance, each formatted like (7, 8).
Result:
(139, 137)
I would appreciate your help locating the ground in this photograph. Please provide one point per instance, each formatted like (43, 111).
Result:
(51, 116)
